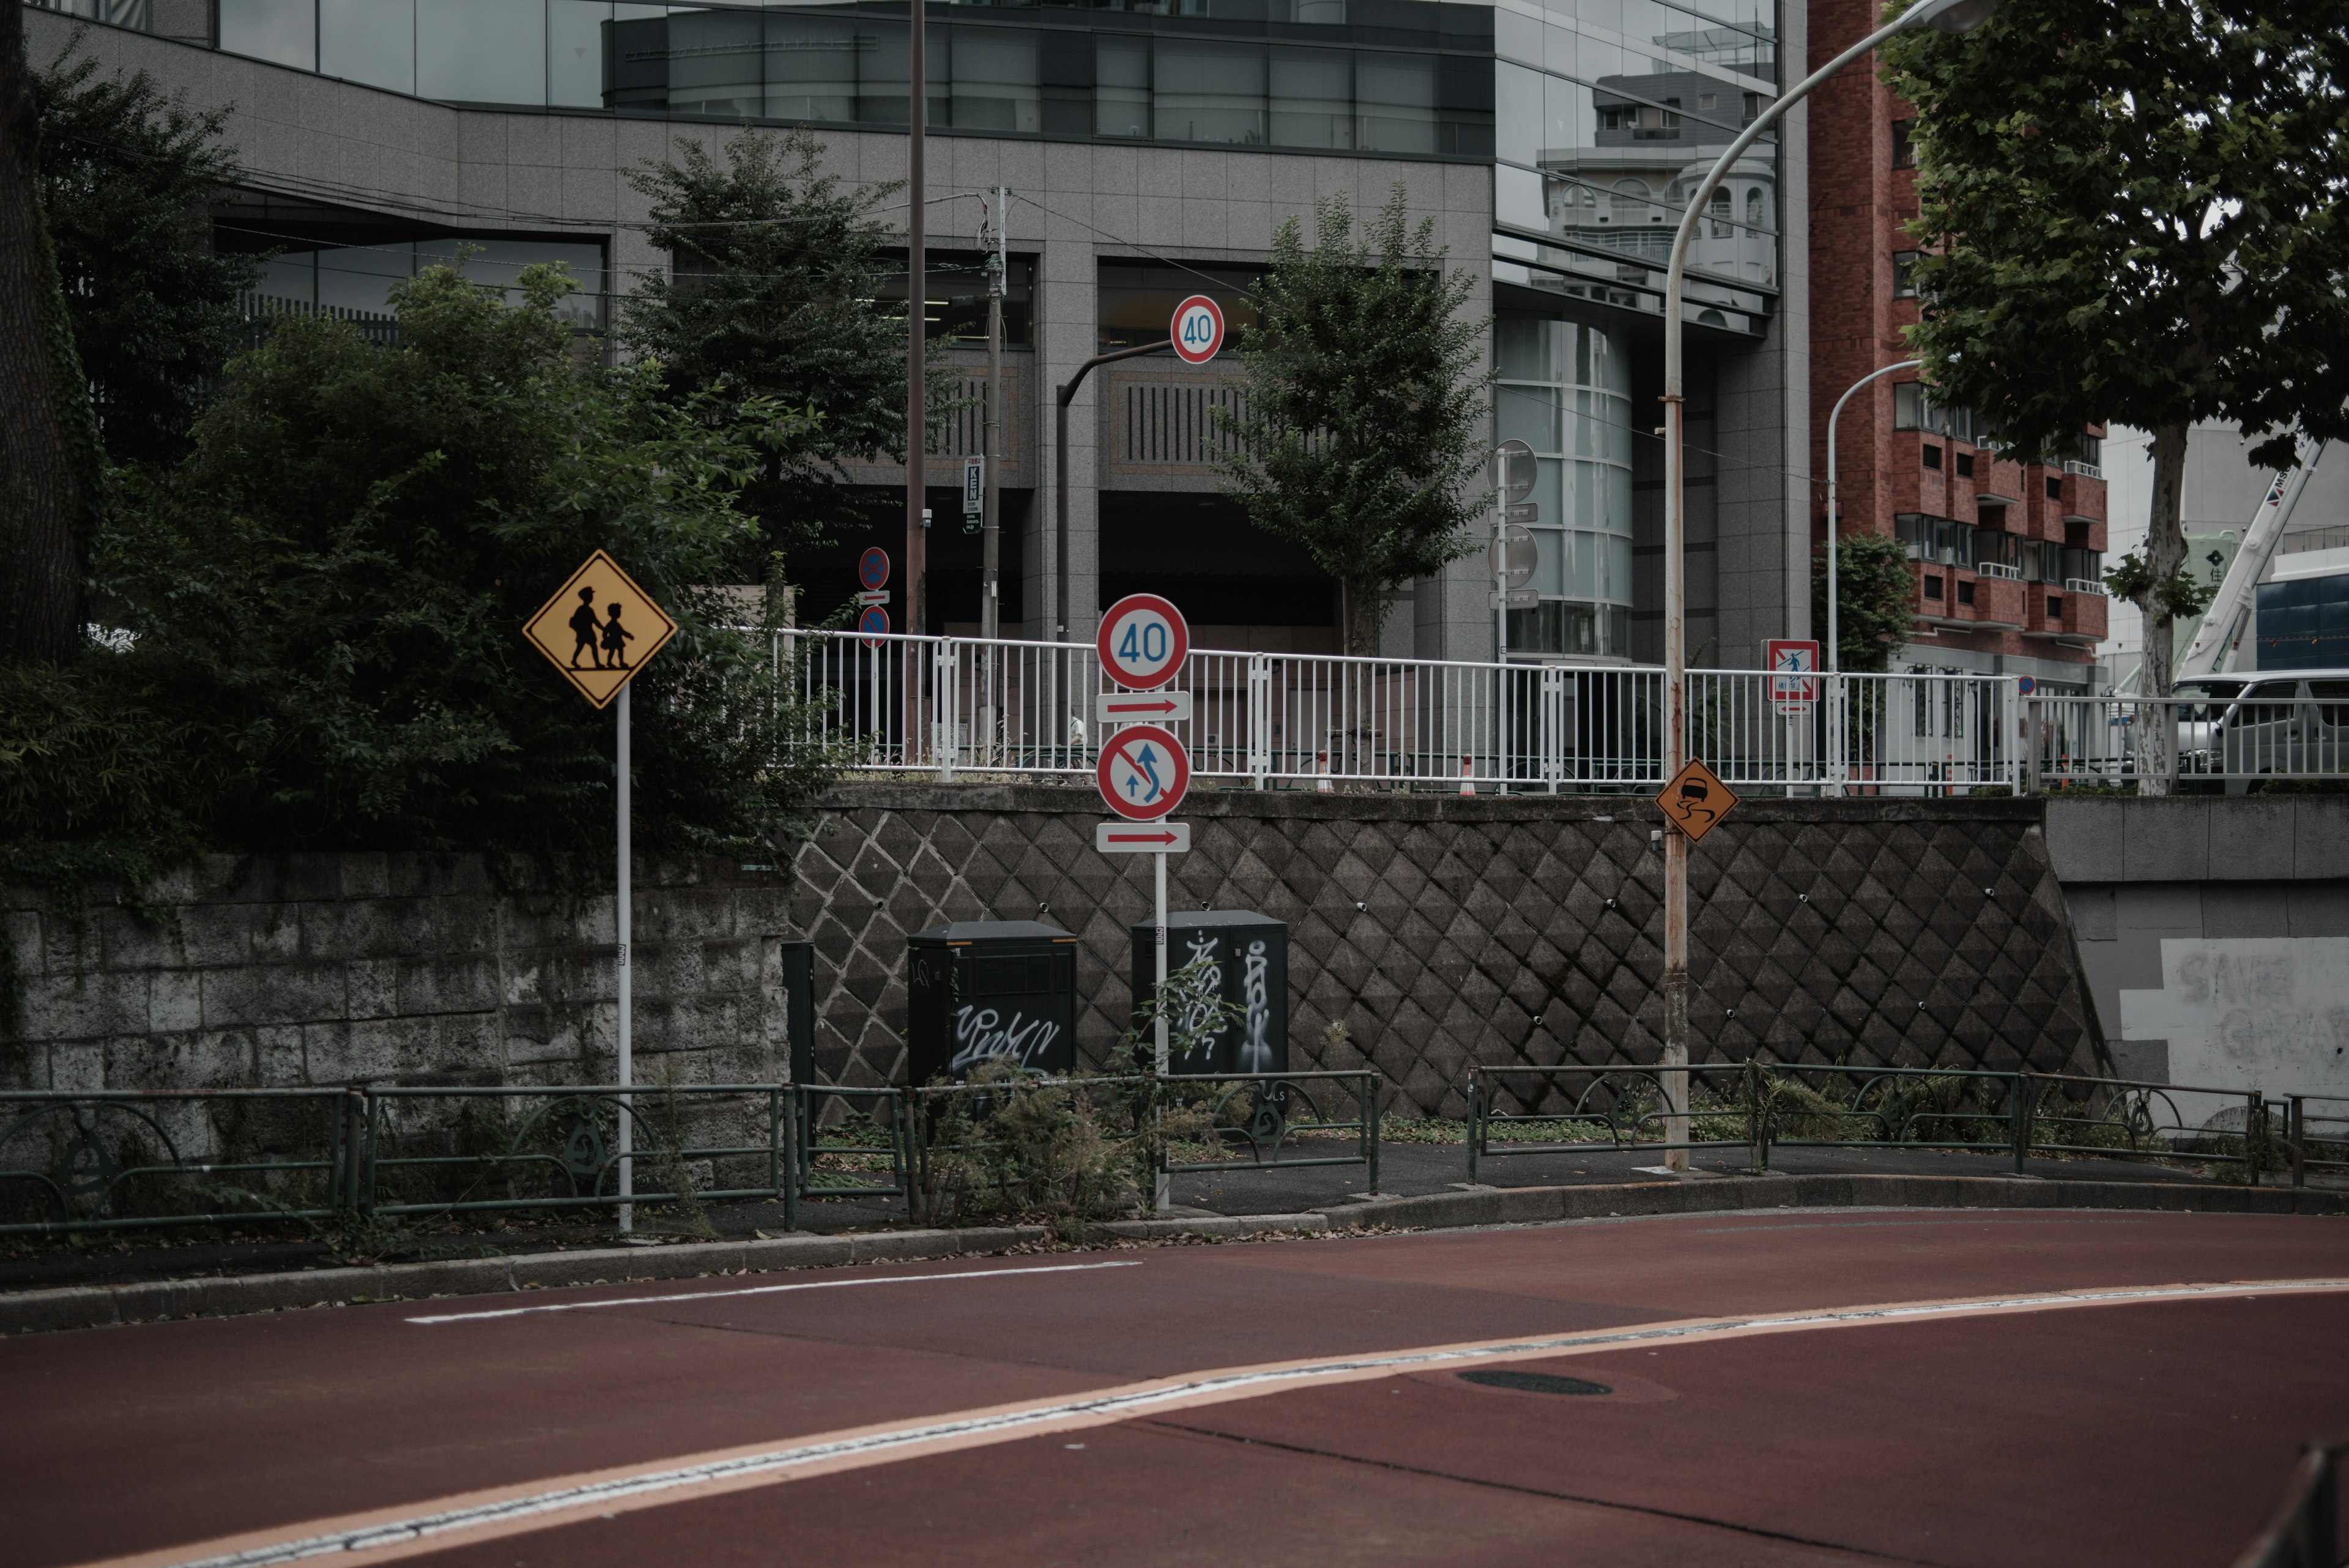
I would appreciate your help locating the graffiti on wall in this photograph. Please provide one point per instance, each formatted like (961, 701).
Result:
(2249, 1012)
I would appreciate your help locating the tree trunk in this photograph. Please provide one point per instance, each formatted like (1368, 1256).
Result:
(1361, 609)
(41, 485)
(2165, 554)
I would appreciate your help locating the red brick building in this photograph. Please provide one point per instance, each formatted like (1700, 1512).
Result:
(2005, 558)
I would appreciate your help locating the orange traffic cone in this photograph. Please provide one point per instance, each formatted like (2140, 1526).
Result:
(1467, 779)
(1321, 773)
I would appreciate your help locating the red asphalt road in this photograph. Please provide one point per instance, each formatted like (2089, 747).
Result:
(2145, 1433)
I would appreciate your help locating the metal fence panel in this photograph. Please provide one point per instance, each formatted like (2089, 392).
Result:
(1309, 722)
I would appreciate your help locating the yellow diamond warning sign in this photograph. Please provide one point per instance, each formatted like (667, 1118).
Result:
(600, 628)
(1696, 799)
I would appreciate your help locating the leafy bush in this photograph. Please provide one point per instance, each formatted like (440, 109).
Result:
(322, 608)
(1009, 1143)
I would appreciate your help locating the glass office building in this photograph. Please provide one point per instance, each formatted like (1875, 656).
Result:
(1593, 119)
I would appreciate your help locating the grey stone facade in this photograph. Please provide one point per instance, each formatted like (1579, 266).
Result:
(1439, 931)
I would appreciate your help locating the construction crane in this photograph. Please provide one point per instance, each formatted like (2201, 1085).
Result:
(2221, 636)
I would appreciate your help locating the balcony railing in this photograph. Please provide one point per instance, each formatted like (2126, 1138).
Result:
(2084, 470)
(2083, 585)
(1998, 570)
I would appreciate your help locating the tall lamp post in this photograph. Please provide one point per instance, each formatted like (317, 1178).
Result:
(1944, 16)
(1835, 518)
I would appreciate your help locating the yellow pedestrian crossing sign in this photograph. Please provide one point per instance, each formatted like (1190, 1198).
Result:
(600, 628)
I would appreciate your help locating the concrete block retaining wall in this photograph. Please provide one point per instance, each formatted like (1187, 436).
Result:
(1437, 930)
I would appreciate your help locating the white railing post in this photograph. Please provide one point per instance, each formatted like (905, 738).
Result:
(1553, 724)
(943, 707)
(1260, 719)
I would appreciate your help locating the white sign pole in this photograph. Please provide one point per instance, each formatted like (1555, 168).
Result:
(1166, 1195)
(621, 911)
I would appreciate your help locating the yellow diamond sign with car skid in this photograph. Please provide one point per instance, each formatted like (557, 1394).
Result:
(1696, 799)
(600, 628)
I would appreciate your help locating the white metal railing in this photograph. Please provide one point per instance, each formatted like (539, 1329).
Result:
(1999, 569)
(2190, 743)
(1299, 721)
(2084, 470)
(2083, 585)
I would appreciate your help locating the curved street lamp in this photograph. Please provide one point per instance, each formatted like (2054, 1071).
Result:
(1942, 16)
(1835, 518)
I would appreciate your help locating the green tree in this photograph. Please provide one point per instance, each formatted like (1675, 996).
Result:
(326, 600)
(126, 174)
(2135, 213)
(1876, 601)
(777, 272)
(1363, 434)
(50, 470)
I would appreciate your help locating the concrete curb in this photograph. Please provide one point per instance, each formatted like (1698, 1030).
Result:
(96, 1307)
(1536, 1205)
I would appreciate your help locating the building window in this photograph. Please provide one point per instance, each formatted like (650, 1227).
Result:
(1965, 465)
(1933, 454)
(1720, 209)
(1933, 587)
(1135, 299)
(1965, 591)
(1904, 144)
(2054, 488)
(1704, 101)
(1564, 390)
(1753, 217)
(1913, 411)
(2054, 608)
(1904, 274)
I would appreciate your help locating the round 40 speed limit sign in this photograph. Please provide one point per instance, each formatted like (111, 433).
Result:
(1142, 641)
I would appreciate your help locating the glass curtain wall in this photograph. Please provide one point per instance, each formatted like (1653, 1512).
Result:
(1607, 115)
(1564, 390)
(359, 278)
(1293, 74)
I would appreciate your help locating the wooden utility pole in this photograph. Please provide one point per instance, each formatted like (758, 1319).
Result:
(43, 402)
(917, 310)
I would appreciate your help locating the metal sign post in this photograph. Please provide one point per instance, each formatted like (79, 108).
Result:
(616, 644)
(1144, 772)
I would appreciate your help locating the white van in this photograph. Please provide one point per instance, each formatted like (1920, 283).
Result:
(2283, 721)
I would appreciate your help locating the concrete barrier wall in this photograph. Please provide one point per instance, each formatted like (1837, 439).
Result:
(1436, 931)
(2214, 933)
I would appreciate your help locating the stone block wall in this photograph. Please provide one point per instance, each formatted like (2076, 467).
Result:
(292, 970)
(1439, 931)
(1442, 931)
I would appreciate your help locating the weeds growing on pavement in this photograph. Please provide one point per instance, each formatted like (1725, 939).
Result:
(1005, 1143)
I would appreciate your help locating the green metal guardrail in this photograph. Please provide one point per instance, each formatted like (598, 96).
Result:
(73, 1162)
(1764, 1106)
(191, 1156)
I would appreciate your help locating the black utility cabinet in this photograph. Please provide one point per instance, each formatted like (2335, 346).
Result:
(1250, 953)
(798, 1006)
(983, 989)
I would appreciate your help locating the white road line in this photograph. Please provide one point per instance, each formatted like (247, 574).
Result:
(772, 1290)
(392, 1534)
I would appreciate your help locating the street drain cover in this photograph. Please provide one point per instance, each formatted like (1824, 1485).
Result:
(1533, 1382)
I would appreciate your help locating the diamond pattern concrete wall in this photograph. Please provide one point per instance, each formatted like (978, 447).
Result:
(1442, 931)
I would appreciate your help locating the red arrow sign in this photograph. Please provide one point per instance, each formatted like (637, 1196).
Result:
(1125, 707)
(1161, 838)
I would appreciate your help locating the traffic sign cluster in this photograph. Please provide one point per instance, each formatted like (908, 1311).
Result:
(1143, 771)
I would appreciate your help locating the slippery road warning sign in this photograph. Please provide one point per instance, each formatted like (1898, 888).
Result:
(1143, 773)
(1696, 799)
(599, 629)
